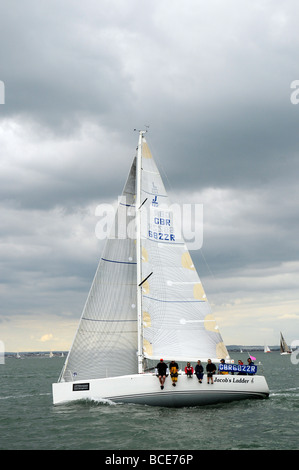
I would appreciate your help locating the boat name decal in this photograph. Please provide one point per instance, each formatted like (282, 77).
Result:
(229, 380)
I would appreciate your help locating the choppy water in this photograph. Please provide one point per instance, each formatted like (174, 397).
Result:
(29, 420)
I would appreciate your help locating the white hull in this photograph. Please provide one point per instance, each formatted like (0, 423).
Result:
(145, 389)
(285, 353)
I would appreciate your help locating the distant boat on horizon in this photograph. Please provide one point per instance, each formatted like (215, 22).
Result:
(267, 349)
(284, 348)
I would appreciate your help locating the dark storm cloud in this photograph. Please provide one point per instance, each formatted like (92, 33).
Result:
(57, 67)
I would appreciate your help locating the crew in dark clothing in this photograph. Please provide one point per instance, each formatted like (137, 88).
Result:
(199, 371)
(211, 369)
(161, 372)
(250, 363)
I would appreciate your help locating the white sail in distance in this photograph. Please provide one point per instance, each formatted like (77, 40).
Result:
(284, 348)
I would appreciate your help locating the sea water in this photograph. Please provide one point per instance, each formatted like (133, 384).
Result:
(30, 421)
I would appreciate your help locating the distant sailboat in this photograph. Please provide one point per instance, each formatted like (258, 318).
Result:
(18, 356)
(284, 348)
(51, 354)
(147, 302)
(267, 349)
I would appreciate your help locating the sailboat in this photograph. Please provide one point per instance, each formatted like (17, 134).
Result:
(284, 348)
(267, 349)
(146, 302)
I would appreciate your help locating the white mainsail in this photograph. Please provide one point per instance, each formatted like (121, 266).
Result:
(146, 299)
(177, 317)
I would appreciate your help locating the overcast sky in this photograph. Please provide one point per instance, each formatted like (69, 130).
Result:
(213, 82)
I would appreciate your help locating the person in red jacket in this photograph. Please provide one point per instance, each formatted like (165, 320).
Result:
(189, 370)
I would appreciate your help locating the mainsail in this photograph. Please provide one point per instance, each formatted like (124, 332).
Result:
(177, 319)
(146, 299)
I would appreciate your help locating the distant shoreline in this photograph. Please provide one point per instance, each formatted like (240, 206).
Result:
(231, 348)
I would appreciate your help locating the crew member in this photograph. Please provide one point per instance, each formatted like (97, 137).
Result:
(161, 372)
(173, 367)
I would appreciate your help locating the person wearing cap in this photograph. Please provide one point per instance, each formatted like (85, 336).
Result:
(161, 373)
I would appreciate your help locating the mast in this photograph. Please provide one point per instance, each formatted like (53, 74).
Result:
(138, 254)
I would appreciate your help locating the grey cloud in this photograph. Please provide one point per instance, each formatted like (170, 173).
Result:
(212, 81)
